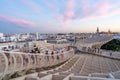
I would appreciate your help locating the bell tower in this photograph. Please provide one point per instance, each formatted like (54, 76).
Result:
(109, 31)
(97, 31)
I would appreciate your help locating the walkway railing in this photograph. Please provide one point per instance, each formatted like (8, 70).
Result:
(11, 62)
(92, 42)
(89, 48)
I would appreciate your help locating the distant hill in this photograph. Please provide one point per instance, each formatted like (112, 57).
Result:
(112, 45)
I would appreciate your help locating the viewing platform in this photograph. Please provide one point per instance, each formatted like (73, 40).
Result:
(64, 64)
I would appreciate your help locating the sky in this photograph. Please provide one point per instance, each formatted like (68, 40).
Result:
(56, 16)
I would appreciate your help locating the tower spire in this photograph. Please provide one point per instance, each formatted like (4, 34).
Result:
(109, 31)
(97, 30)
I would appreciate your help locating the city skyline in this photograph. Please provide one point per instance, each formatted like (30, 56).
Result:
(54, 16)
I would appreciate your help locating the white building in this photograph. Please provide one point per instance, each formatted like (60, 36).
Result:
(1, 34)
(5, 39)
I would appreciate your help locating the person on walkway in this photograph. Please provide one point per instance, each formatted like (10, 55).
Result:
(25, 59)
(100, 51)
(57, 55)
(52, 55)
(47, 56)
(32, 56)
(110, 53)
(62, 55)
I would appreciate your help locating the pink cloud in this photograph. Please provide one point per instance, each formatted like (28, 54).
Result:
(16, 12)
(58, 18)
(89, 12)
(32, 5)
(48, 25)
(49, 5)
(101, 15)
(69, 13)
(22, 23)
(104, 8)
(56, 1)
(100, 10)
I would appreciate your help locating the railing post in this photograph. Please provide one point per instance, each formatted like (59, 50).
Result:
(34, 60)
(6, 64)
(21, 61)
(14, 59)
(28, 60)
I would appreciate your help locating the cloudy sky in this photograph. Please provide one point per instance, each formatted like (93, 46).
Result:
(51, 16)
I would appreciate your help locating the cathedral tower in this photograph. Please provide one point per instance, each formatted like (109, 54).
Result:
(97, 30)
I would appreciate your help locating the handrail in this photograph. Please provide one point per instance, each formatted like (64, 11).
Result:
(93, 78)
